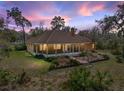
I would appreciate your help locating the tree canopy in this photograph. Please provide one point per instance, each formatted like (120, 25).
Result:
(58, 23)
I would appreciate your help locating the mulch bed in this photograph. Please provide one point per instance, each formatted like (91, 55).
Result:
(64, 62)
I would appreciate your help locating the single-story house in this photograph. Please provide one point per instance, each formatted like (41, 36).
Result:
(58, 43)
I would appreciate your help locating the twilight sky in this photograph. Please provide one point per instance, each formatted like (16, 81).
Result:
(81, 14)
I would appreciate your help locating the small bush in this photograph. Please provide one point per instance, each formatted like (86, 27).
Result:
(120, 59)
(52, 66)
(20, 47)
(55, 62)
(50, 59)
(105, 56)
(74, 62)
(6, 77)
(40, 57)
(84, 53)
(23, 78)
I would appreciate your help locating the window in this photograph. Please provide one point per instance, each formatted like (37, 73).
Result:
(57, 46)
(43, 47)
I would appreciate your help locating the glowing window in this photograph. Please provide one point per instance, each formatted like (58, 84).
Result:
(57, 46)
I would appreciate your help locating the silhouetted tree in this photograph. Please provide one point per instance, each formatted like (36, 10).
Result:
(19, 19)
(120, 20)
(94, 34)
(107, 24)
(57, 23)
(67, 28)
(2, 23)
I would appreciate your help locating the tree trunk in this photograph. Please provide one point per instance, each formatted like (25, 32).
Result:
(23, 35)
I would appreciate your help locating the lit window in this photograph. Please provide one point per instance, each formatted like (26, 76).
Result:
(57, 46)
(44, 46)
(82, 44)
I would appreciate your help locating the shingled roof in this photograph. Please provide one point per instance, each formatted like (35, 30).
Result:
(52, 37)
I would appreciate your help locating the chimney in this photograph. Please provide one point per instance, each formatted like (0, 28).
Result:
(73, 30)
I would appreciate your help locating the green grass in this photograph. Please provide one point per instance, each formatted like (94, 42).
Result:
(20, 60)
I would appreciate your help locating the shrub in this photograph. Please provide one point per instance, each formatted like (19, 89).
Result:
(82, 79)
(6, 77)
(101, 81)
(116, 52)
(55, 62)
(52, 66)
(123, 51)
(20, 47)
(79, 79)
(50, 59)
(4, 49)
(23, 78)
(84, 53)
(40, 57)
(74, 62)
(105, 56)
(100, 45)
(120, 59)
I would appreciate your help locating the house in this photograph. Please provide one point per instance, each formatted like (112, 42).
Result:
(58, 43)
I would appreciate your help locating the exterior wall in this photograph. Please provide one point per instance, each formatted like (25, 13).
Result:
(87, 46)
(30, 48)
(59, 48)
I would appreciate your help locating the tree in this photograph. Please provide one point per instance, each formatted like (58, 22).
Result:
(2, 23)
(120, 20)
(41, 24)
(67, 28)
(4, 49)
(84, 33)
(73, 30)
(94, 34)
(107, 24)
(57, 23)
(19, 19)
(36, 31)
(116, 21)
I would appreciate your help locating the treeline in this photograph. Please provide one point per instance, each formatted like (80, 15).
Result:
(109, 33)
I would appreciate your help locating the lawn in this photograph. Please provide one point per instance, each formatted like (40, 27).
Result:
(20, 60)
(36, 67)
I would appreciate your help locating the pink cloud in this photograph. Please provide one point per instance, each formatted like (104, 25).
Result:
(86, 9)
(49, 8)
(36, 17)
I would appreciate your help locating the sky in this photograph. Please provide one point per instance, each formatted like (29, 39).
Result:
(79, 14)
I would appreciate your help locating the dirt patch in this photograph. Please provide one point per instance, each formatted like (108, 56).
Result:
(34, 66)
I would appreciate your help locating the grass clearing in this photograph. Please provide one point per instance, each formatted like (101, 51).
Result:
(20, 60)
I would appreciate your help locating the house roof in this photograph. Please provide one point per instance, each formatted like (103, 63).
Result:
(51, 37)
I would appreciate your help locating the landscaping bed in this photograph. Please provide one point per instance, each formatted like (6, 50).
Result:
(65, 61)
(90, 58)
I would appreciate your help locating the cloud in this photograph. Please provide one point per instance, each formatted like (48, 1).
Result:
(87, 9)
(36, 17)
(42, 11)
